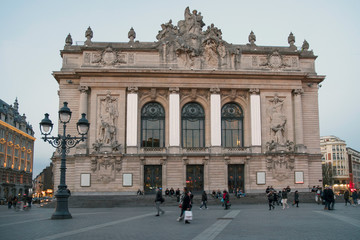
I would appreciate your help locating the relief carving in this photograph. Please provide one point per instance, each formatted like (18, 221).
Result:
(105, 167)
(277, 122)
(277, 119)
(109, 57)
(107, 127)
(281, 166)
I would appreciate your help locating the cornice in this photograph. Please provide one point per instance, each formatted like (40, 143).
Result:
(169, 73)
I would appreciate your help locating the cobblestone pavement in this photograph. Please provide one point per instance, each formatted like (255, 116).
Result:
(309, 221)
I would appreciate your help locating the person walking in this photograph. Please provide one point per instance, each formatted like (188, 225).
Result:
(355, 197)
(203, 200)
(296, 198)
(185, 205)
(226, 200)
(159, 200)
(177, 194)
(284, 196)
(271, 199)
(347, 197)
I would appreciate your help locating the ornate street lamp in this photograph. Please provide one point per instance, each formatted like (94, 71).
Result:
(63, 143)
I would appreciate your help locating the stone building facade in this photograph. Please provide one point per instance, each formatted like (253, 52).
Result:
(191, 109)
(16, 151)
(354, 167)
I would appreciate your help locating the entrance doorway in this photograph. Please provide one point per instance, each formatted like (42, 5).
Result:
(152, 178)
(235, 177)
(195, 178)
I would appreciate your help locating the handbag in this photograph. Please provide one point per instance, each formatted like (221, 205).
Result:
(180, 205)
(188, 216)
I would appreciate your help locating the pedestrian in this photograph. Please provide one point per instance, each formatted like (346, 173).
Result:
(355, 197)
(177, 193)
(271, 198)
(185, 205)
(203, 200)
(172, 192)
(347, 197)
(296, 198)
(226, 200)
(9, 201)
(167, 192)
(159, 200)
(267, 190)
(284, 196)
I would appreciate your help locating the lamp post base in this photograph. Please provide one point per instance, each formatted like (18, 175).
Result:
(61, 210)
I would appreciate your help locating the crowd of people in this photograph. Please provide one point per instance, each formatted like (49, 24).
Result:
(280, 198)
(19, 202)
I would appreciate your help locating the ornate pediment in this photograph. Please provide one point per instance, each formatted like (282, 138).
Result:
(188, 46)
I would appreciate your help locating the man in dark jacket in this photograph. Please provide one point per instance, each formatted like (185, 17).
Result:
(203, 200)
(159, 200)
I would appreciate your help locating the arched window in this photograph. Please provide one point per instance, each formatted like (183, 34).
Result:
(152, 125)
(193, 126)
(232, 126)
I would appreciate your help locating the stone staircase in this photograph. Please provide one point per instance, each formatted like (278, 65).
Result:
(103, 201)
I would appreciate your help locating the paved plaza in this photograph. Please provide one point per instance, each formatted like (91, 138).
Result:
(309, 221)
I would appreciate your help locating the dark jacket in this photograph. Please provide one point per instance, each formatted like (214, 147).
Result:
(204, 197)
(186, 202)
(296, 197)
(158, 197)
(284, 194)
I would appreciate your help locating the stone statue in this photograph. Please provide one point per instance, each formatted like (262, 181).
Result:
(108, 118)
(193, 22)
(252, 38)
(305, 46)
(277, 120)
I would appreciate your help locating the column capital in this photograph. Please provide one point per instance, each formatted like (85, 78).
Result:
(84, 89)
(254, 91)
(133, 89)
(215, 90)
(174, 90)
(298, 91)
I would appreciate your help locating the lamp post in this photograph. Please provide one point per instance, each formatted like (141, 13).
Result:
(63, 143)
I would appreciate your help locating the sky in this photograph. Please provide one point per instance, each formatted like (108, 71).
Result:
(32, 33)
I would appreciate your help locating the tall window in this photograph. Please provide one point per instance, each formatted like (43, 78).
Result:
(232, 126)
(193, 126)
(152, 125)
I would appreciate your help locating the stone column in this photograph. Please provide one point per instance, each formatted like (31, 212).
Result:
(215, 119)
(298, 118)
(83, 104)
(174, 120)
(83, 108)
(255, 111)
(132, 120)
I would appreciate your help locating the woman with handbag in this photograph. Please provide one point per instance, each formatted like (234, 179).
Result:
(185, 205)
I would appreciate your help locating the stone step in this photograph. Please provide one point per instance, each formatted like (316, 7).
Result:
(104, 201)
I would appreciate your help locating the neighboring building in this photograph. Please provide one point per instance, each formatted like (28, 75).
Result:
(190, 110)
(333, 150)
(16, 151)
(43, 184)
(354, 167)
